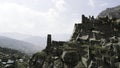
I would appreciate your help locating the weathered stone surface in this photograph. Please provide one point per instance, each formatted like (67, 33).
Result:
(111, 12)
(95, 43)
(71, 58)
(38, 60)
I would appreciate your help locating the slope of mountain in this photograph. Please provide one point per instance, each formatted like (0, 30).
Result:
(18, 45)
(10, 58)
(113, 12)
(39, 41)
(4, 52)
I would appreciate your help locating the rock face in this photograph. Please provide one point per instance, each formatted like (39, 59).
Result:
(95, 43)
(111, 12)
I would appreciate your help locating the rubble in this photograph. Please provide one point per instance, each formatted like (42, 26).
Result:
(95, 43)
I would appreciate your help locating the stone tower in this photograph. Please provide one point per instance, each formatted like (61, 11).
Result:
(48, 41)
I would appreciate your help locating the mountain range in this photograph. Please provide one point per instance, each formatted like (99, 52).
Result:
(113, 12)
(27, 43)
(22, 46)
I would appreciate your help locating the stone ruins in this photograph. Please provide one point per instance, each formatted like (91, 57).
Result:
(95, 43)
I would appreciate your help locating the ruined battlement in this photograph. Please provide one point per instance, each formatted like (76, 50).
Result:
(95, 43)
(95, 28)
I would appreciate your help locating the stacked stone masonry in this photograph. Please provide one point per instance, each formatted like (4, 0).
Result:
(95, 43)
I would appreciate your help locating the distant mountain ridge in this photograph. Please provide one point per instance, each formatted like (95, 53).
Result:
(18, 45)
(39, 41)
(27, 43)
(113, 12)
(35, 40)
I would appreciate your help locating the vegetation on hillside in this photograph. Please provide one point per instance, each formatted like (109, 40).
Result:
(10, 58)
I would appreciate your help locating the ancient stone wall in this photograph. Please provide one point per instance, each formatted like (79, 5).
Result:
(95, 43)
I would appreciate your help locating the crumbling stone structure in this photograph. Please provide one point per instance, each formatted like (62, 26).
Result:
(95, 43)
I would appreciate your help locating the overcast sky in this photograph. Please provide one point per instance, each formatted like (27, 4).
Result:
(40, 17)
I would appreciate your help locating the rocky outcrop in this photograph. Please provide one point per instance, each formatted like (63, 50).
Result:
(95, 43)
(111, 12)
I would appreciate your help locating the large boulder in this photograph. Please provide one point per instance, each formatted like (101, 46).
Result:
(71, 59)
(37, 60)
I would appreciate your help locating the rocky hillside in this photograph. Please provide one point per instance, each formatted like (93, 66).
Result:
(18, 45)
(9, 58)
(111, 12)
(8, 51)
(95, 43)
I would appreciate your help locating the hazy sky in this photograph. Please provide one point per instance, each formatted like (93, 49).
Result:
(40, 17)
